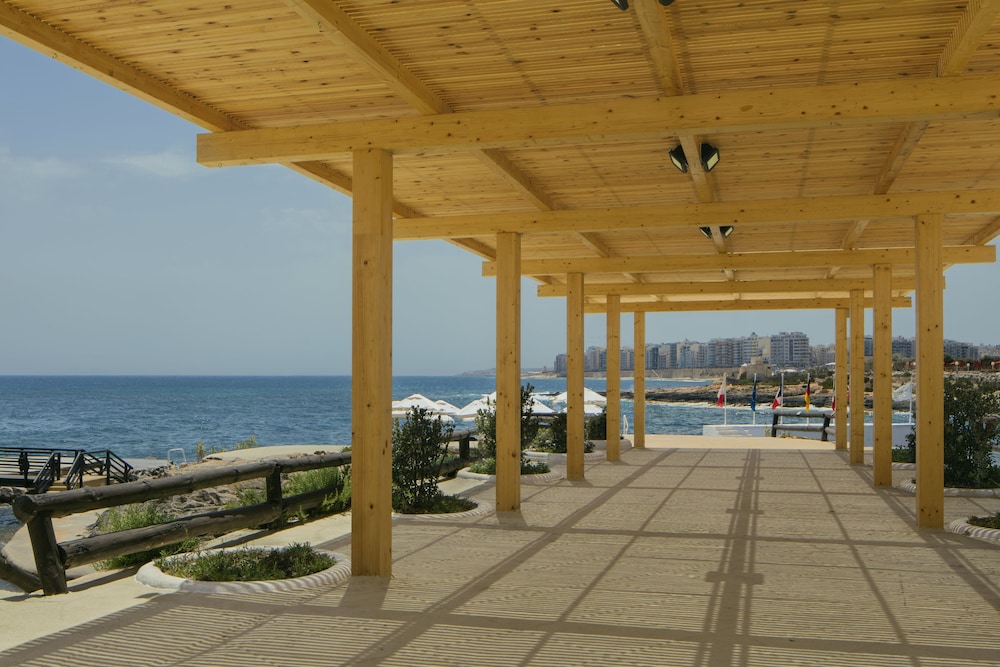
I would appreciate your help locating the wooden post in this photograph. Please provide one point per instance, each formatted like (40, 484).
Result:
(48, 562)
(639, 381)
(371, 365)
(574, 376)
(840, 380)
(857, 377)
(882, 387)
(508, 490)
(614, 375)
(930, 373)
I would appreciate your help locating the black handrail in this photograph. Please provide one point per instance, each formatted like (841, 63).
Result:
(48, 475)
(18, 463)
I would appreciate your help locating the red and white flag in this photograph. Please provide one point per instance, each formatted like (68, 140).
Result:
(779, 398)
(721, 400)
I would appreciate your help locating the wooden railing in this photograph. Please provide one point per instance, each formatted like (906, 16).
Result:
(53, 558)
(782, 415)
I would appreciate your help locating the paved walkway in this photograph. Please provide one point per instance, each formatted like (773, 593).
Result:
(722, 557)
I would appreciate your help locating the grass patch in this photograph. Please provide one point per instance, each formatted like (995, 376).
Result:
(249, 564)
(440, 505)
(141, 515)
(985, 521)
(488, 466)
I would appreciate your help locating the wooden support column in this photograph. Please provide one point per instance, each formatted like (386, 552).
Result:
(857, 403)
(574, 376)
(930, 373)
(508, 490)
(882, 386)
(639, 381)
(840, 379)
(371, 365)
(614, 375)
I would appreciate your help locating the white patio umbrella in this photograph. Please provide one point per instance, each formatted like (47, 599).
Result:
(444, 407)
(539, 408)
(589, 396)
(414, 401)
(472, 409)
(589, 409)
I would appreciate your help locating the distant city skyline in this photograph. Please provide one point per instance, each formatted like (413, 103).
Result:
(121, 255)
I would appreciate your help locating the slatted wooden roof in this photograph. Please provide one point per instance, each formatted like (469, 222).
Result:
(836, 122)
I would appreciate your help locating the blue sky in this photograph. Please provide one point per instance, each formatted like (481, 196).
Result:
(119, 254)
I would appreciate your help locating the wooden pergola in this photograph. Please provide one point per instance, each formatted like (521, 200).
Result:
(856, 161)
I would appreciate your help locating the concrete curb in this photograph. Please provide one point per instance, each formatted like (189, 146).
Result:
(482, 509)
(911, 487)
(154, 577)
(962, 527)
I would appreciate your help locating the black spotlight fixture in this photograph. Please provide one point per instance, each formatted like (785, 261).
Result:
(666, 3)
(725, 230)
(623, 4)
(678, 159)
(709, 156)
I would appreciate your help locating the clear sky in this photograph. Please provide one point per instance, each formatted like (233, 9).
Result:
(119, 254)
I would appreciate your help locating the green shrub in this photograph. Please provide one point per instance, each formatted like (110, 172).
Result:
(903, 455)
(249, 564)
(419, 447)
(596, 427)
(985, 521)
(488, 466)
(969, 432)
(486, 425)
(126, 517)
(335, 479)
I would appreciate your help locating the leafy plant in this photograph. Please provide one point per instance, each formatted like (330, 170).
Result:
(985, 521)
(419, 447)
(486, 425)
(970, 432)
(249, 564)
(488, 466)
(140, 515)
(596, 427)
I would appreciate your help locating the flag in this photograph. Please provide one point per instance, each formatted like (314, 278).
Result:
(808, 403)
(779, 398)
(753, 395)
(833, 402)
(721, 400)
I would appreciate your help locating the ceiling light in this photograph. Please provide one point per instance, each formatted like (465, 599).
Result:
(726, 231)
(623, 4)
(678, 159)
(707, 231)
(666, 3)
(709, 156)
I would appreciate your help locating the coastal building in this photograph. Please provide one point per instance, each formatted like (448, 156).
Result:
(958, 350)
(905, 347)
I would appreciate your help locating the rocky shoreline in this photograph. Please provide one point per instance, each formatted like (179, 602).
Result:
(740, 395)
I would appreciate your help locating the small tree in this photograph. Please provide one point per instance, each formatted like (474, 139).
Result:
(970, 432)
(419, 446)
(486, 425)
(596, 427)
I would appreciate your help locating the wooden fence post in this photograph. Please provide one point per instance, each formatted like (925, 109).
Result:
(48, 562)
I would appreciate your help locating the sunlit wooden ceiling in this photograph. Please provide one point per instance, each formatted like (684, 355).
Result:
(836, 123)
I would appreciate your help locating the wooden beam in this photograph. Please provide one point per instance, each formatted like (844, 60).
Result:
(882, 382)
(726, 287)
(752, 212)
(655, 28)
(986, 234)
(930, 377)
(972, 28)
(744, 261)
(508, 342)
(736, 305)
(840, 379)
(639, 380)
(574, 376)
(857, 402)
(740, 111)
(614, 378)
(371, 366)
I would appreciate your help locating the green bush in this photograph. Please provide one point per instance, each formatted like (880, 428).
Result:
(249, 564)
(336, 480)
(969, 432)
(488, 466)
(596, 427)
(126, 517)
(419, 447)
(486, 425)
